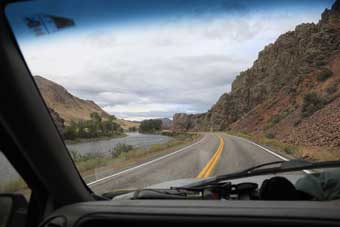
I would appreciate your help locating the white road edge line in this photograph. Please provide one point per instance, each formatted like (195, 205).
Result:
(146, 163)
(271, 152)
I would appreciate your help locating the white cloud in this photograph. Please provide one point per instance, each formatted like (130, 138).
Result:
(155, 70)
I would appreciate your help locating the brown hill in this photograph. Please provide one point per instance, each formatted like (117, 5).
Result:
(292, 91)
(126, 124)
(66, 105)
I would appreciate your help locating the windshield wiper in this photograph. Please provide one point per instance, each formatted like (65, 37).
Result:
(263, 165)
(285, 166)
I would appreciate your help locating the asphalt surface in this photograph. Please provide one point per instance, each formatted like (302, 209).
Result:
(234, 154)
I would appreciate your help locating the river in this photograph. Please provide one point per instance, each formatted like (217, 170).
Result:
(135, 139)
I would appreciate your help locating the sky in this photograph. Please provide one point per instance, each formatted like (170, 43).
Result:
(150, 59)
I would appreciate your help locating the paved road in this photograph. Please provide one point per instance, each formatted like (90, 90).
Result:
(214, 154)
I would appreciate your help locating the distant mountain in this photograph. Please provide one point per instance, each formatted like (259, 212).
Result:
(127, 124)
(66, 105)
(291, 92)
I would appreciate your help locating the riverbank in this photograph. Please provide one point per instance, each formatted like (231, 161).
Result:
(135, 139)
(95, 139)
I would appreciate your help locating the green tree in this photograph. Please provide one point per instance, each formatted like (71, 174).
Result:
(71, 132)
(95, 117)
(151, 125)
(95, 127)
(132, 129)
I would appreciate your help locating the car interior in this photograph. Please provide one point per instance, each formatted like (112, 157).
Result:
(59, 197)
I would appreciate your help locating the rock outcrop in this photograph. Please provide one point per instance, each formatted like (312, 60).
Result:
(270, 96)
(166, 123)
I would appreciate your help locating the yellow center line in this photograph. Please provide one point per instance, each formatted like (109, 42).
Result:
(209, 167)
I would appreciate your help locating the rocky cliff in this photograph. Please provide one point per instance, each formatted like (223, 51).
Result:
(292, 91)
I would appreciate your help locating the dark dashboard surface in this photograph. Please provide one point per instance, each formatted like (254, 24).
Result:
(155, 212)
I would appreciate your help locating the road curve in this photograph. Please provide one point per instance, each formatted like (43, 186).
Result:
(206, 157)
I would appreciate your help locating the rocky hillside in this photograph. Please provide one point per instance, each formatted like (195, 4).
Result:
(292, 91)
(166, 123)
(65, 105)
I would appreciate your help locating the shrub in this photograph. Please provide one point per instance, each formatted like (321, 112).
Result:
(312, 102)
(324, 74)
(275, 119)
(270, 135)
(77, 157)
(92, 155)
(289, 150)
(331, 89)
(173, 133)
(278, 117)
(122, 148)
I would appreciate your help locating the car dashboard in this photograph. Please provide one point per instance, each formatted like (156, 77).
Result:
(156, 212)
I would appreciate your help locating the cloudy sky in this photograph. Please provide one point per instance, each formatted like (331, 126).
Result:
(140, 62)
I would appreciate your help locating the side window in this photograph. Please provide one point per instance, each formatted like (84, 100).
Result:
(10, 180)
(14, 194)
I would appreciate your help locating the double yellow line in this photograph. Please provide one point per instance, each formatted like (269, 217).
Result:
(209, 167)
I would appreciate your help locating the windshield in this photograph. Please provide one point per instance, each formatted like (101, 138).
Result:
(145, 92)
